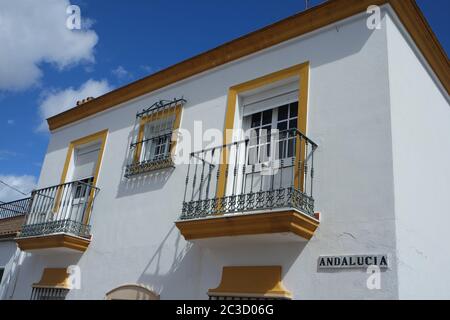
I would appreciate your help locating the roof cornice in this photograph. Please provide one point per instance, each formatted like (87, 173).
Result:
(299, 24)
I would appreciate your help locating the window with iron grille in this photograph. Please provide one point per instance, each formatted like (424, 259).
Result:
(48, 294)
(154, 144)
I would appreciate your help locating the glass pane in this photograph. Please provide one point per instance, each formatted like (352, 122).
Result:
(252, 155)
(281, 126)
(291, 147)
(293, 109)
(267, 117)
(282, 149)
(283, 112)
(265, 132)
(293, 124)
(256, 120)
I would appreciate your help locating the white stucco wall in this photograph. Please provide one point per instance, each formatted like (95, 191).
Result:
(134, 236)
(9, 259)
(421, 148)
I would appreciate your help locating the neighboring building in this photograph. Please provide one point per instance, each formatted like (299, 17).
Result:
(12, 217)
(361, 166)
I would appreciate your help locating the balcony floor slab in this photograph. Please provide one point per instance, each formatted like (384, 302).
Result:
(281, 225)
(59, 242)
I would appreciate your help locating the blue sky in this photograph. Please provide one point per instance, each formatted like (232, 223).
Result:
(122, 42)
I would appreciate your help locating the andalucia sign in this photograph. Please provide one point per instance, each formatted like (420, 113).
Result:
(353, 261)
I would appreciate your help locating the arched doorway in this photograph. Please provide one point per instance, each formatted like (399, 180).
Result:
(132, 292)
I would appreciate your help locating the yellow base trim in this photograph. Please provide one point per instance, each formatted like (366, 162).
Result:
(56, 278)
(251, 281)
(249, 224)
(53, 241)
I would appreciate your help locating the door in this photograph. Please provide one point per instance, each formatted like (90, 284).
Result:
(270, 154)
(77, 196)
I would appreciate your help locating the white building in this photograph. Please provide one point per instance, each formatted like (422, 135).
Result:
(363, 112)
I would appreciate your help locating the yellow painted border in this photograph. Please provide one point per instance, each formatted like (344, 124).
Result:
(301, 71)
(294, 26)
(249, 224)
(54, 278)
(177, 110)
(53, 241)
(98, 136)
(251, 281)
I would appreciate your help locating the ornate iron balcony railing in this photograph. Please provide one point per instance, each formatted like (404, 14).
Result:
(260, 173)
(14, 208)
(63, 208)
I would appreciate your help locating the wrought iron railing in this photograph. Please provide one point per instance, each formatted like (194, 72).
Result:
(259, 173)
(63, 208)
(155, 155)
(14, 208)
(152, 145)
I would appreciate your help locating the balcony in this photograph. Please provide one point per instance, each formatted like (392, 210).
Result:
(58, 218)
(262, 185)
(12, 216)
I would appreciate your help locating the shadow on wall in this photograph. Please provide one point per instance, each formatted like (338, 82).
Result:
(28, 268)
(145, 182)
(140, 183)
(184, 262)
(185, 278)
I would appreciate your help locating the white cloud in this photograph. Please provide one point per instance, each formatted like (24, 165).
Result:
(6, 154)
(61, 100)
(23, 183)
(32, 32)
(147, 68)
(121, 73)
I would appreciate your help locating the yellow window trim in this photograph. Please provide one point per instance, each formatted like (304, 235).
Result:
(302, 72)
(177, 110)
(98, 136)
(54, 278)
(252, 282)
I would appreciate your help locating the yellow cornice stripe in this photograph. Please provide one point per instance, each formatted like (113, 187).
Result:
(291, 27)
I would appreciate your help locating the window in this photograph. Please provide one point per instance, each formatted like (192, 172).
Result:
(156, 140)
(54, 285)
(154, 145)
(282, 118)
(48, 294)
(83, 187)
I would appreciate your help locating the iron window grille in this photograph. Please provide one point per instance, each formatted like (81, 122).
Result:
(154, 144)
(49, 294)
